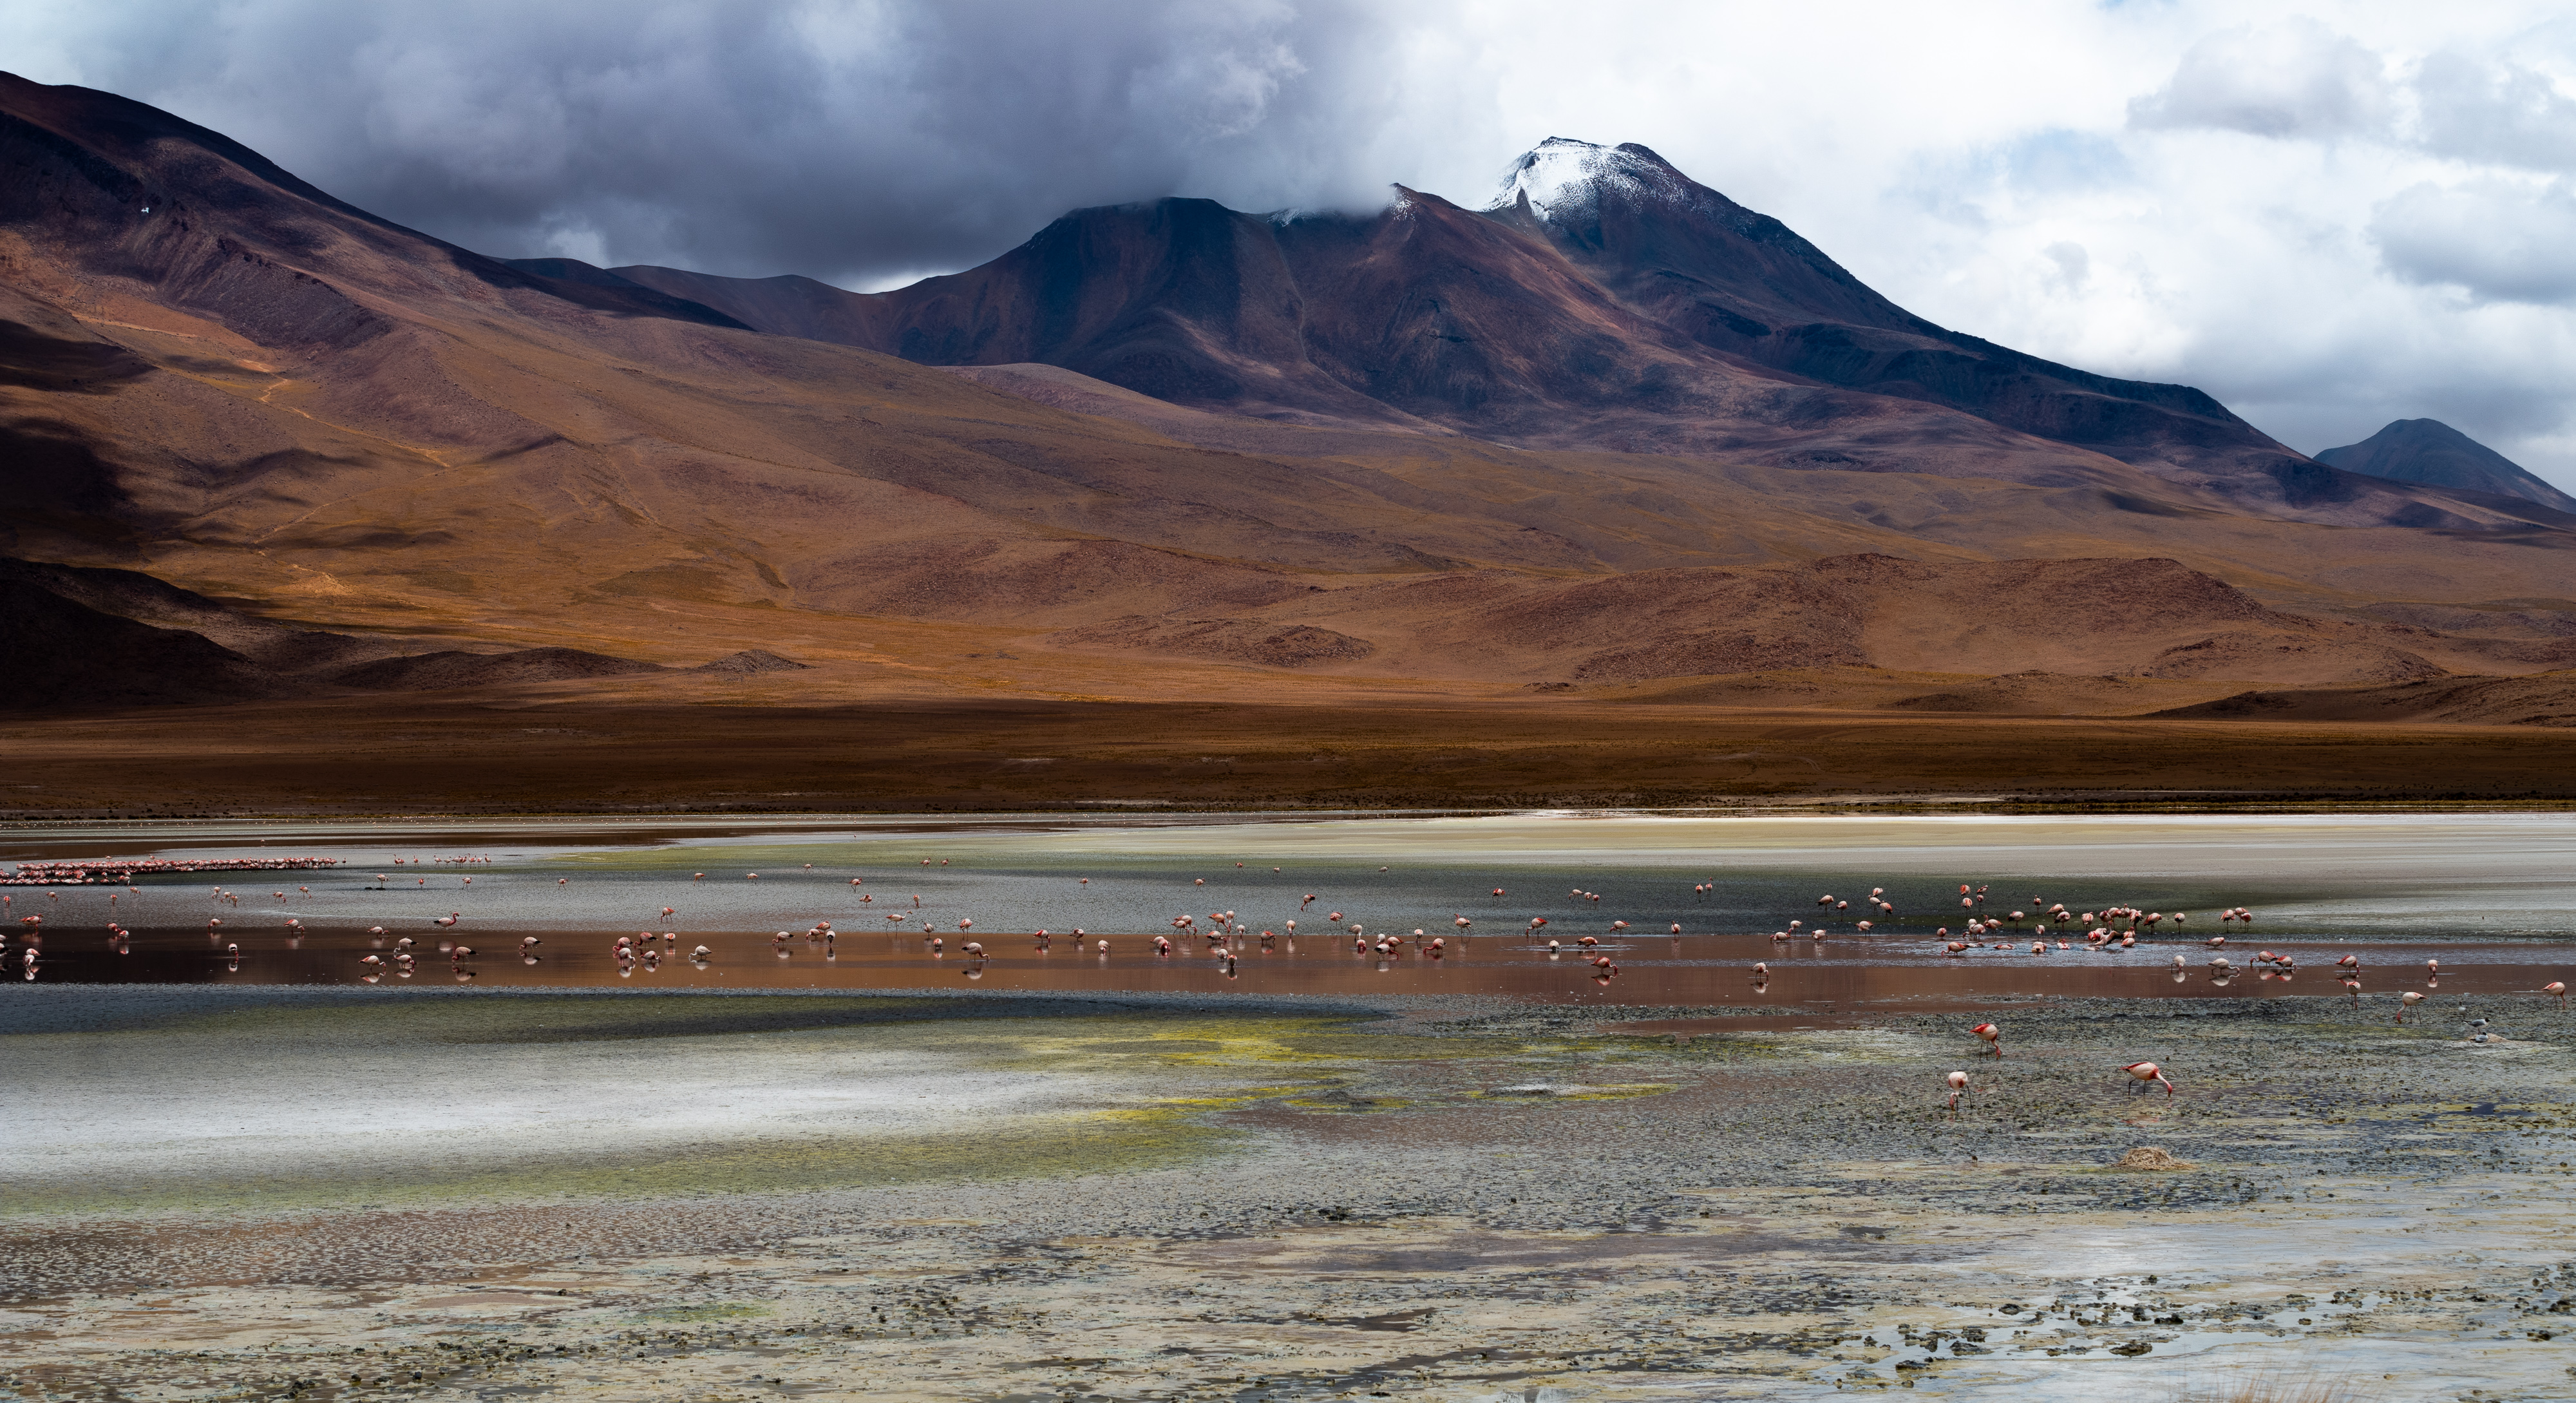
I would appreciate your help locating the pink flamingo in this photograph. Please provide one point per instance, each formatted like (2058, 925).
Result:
(2146, 1072)
(1958, 1083)
(1993, 1035)
(2556, 990)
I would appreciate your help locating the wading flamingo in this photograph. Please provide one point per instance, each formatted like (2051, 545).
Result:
(2148, 1072)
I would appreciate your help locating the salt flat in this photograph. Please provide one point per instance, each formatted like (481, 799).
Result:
(357, 1194)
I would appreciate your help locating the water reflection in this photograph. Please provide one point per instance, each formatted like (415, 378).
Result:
(1741, 911)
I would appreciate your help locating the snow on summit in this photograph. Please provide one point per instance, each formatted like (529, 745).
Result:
(1564, 178)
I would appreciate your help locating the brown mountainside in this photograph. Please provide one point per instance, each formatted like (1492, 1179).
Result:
(1604, 301)
(1423, 453)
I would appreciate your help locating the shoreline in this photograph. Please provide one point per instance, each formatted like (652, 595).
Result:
(2106, 803)
(499, 755)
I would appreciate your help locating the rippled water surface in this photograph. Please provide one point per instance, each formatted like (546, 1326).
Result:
(2490, 896)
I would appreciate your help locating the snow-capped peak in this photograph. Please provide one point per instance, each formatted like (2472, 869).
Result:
(1563, 178)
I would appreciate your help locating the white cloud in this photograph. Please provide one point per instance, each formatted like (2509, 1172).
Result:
(2497, 240)
(2497, 112)
(2293, 79)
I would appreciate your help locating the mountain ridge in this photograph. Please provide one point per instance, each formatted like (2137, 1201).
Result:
(1671, 320)
(1468, 469)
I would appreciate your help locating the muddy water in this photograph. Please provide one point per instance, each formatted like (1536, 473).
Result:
(2488, 896)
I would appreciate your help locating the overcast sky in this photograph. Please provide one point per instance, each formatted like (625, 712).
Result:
(2329, 215)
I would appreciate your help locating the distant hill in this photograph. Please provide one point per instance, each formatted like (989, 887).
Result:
(2432, 452)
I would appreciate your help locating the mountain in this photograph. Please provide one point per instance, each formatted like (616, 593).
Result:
(1160, 451)
(1602, 300)
(1743, 283)
(2430, 451)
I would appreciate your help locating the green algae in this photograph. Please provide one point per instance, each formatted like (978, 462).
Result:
(1222, 1064)
(1106, 1142)
(729, 1311)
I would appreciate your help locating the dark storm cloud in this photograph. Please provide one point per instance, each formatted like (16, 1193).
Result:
(851, 141)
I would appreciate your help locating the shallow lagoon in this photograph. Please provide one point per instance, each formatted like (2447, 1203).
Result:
(2490, 895)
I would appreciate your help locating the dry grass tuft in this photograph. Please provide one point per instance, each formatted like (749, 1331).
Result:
(2150, 1157)
(2275, 1390)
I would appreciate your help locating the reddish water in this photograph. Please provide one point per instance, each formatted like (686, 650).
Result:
(1694, 970)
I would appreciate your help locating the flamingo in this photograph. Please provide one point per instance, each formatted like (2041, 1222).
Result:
(449, 919)
(1958, 1083)
(1993, 1035)
(2556, 990)
(2406, 1001)
(2146, 1072)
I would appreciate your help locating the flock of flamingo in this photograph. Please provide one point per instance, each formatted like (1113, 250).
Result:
(1226, 935)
